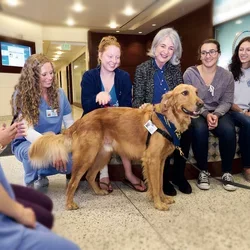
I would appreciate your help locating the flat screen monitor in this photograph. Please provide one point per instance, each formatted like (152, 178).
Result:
(14, 53)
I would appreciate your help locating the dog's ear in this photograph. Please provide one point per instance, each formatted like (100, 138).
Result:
(166, 100)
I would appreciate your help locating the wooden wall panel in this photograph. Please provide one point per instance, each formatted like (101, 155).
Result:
(133, 50)
(193, 28)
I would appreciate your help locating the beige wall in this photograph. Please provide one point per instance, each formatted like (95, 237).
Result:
(18, 28)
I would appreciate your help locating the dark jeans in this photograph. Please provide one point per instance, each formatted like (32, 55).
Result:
(225, 131)
(40, 203)
(243, 122)
(179, 161)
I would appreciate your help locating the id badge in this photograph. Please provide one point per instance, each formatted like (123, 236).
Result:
(51, 113)
(151, 128)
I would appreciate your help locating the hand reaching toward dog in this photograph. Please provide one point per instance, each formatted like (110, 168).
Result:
(103, 98)
(60, 165)
(7, 134)
(212, 121)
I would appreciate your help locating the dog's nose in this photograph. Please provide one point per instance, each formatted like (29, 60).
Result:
(199, 104)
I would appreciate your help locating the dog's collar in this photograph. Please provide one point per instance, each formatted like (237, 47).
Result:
(175, 135)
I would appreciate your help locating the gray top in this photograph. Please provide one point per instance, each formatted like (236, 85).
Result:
(219, 96)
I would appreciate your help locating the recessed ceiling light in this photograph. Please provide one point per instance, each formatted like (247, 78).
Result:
(118, 31)
(113, 25)
(55, 59)
(140, 32)
(59, 52)
(129, 11)
(12, 2)
(239, 21)
(153, 24)
(78, 7)
(70, 22)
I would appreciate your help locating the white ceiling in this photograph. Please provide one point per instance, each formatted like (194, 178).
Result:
(98, 14)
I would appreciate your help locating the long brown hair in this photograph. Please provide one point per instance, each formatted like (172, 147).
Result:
(27, 94)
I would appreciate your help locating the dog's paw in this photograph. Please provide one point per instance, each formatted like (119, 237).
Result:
(161, 206)
(102, 192)
(72, 206)
(167, 199)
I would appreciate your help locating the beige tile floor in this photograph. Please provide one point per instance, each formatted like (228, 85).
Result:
(125, 219)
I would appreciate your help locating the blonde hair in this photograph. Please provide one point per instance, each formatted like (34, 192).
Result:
(174, 37)
(105, 42)
(27, 95)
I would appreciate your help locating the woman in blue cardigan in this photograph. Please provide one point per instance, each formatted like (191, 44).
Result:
(107, 85)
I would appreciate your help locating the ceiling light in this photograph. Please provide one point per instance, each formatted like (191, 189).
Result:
(76, 66)
(70, 22)
(117, 31)
(59, 52)
(59, 47)
(113, 25)
(239, 21)
(12, 2)
(129, 11)
(154, 24)
(78, 7)
(140, 32)
(55, 59)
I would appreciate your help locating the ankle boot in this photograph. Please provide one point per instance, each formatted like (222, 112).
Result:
(183, 185)
(168, 188)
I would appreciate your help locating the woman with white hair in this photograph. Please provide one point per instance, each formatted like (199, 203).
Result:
(155, 77)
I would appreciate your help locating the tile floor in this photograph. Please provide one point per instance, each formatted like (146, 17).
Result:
(125, 219)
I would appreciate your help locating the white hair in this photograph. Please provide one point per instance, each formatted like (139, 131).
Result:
(174, 37)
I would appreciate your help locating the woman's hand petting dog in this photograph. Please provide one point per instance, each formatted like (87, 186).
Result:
(103, 98)
(60, 165)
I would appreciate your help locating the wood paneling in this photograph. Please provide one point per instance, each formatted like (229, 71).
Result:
(193, 29)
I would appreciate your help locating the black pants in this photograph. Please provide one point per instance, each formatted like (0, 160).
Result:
(179, 161)
(225, 131)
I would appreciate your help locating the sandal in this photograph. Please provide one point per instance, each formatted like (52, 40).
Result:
(108, 185)
(134, 186)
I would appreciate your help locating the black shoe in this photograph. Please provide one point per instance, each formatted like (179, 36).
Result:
(68, 176)
(168, 188)
(183, 186)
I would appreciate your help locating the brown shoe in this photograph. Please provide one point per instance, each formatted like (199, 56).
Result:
(246, 174)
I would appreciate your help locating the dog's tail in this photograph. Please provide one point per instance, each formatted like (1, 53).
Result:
(49, 148)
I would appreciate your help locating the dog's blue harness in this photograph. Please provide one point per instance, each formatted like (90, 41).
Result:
(173, 135)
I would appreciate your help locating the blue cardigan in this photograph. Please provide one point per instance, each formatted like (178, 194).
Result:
(91, 85)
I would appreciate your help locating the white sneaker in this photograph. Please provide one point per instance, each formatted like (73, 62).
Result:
(203, 180)
(228, 177)
(42, 182)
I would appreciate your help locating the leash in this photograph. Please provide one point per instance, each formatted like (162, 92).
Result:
(236, 184)
(174, 137)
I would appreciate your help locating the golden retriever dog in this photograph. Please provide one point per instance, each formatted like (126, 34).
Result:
(94, 137)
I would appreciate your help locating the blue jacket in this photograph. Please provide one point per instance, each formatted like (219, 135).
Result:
(91, 85)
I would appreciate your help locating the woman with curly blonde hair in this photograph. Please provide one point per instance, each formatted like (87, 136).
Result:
(44, 107)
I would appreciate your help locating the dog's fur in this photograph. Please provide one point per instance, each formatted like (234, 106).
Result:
(94, 137)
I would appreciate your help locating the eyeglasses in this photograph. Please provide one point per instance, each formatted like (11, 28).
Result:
(211, 52)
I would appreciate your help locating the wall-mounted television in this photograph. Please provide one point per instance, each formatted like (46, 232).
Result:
(14, 53)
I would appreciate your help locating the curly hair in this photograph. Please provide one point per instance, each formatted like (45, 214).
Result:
(105, 42)
(27, 94)
(235, 65)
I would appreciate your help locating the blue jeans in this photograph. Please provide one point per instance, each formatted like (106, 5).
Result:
(225, 131)
(243, 122)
